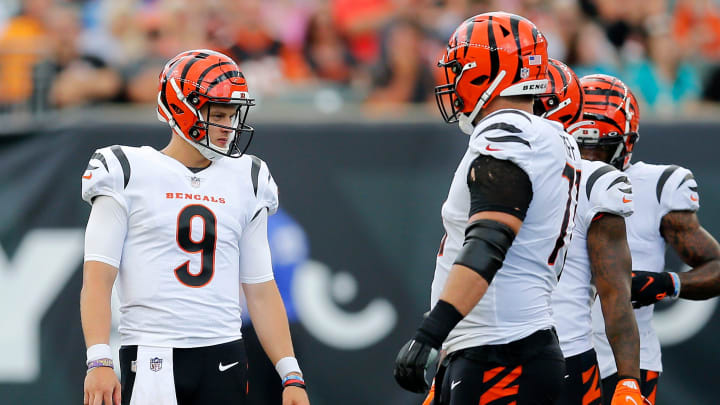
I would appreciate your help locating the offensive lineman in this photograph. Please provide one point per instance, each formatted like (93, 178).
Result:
(183, 228)
(507, 218)
(598, 258)
(666, 200)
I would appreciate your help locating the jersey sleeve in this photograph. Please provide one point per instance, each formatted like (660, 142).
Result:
(608, 190)
(504, 141)
(105, 175)
(677, 190)
(267, 191)
(255, 260)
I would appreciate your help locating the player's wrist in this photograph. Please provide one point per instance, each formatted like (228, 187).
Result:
(674, 292)
(294, 380)
(288, 366)
(99, 355)
(99, 363)
(438, 324)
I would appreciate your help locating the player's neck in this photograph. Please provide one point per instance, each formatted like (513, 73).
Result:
(506, 103)
(185, 153)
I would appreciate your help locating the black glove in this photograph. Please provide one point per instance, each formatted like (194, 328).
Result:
(649, 287)
(415, 366)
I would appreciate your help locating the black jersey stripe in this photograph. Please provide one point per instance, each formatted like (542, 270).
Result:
(687, 177)
(502, 126)
(509, 138)
(517, 112)
(595, 176)
(101, 158)
(621, 179)
(663, 179)
(124, 163)
(255, 172)
(257, 213)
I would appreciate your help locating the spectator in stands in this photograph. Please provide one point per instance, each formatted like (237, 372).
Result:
(78, 78)
(360, 21)
(22, 46)
(326, 50)
(403, 75)
(696, 28)
(666, 81)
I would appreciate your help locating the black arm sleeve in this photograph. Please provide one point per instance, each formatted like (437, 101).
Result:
(498, 185)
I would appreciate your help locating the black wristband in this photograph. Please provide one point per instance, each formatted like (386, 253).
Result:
(438, 324)
(627, 377)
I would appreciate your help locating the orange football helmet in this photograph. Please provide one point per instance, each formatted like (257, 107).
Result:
(611, 118)
(194, 79)
(564, 98)
(489, 55)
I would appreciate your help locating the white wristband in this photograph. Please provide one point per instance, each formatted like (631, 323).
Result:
(287, 365)
(99, 351)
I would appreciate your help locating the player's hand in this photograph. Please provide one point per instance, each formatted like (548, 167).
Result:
(295, 396)
(412, 363)
(102, 387)
(627, 392)
(649, 287)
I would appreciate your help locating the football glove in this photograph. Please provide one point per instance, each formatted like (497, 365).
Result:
(415, 366)
(627, 392)
(649, 287)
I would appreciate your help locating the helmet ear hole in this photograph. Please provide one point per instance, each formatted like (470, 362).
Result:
(480, 80)
(176, 109)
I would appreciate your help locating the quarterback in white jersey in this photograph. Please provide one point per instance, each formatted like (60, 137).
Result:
(507, 218)
(183, 230)
(598, 260)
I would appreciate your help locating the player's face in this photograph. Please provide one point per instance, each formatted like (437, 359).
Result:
(599, 153)
(220, 114)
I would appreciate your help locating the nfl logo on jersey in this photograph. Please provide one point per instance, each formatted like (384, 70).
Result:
(155, 364)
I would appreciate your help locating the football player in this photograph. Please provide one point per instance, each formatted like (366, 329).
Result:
(598, 259)
(665, 200)
(508, 219)
(181, 229)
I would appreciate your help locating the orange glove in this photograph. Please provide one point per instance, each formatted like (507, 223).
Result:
(627, 392)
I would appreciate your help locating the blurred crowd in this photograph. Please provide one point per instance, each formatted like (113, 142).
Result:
(380, 54)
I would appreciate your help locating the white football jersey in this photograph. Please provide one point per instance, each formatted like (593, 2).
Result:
(180, 271)
(602, 189)
(658, 189)
(517, 302)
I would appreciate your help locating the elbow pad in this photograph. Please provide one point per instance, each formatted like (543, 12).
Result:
(486, 243)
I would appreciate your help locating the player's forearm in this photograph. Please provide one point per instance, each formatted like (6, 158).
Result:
(702, 282)
(611, 265)
(464, 288)
(269, 319)
(698, 249)
(95, 296)
(622, 333)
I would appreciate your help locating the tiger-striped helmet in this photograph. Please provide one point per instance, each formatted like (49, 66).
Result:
(564, 98)
(489, 55)
(611, 117)
(198, 78)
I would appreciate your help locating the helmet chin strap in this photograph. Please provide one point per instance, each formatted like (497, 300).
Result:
(465, 122)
